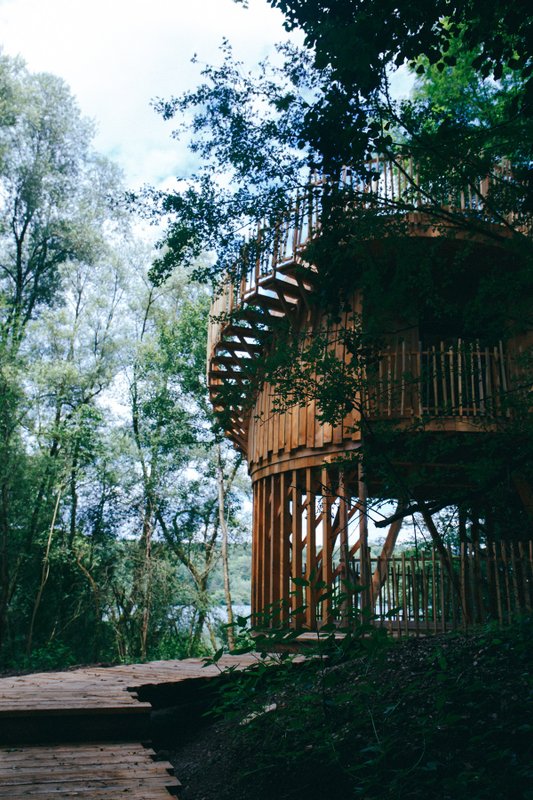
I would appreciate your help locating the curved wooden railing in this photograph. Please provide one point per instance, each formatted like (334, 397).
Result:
(391, 186)
(454, 378)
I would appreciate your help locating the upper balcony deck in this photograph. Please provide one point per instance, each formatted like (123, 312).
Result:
(276, 282)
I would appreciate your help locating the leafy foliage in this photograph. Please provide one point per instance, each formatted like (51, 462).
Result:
(445, 718)
(105, 429)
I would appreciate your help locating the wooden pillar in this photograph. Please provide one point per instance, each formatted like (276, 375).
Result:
(275, 548)
(364, 556)
(310, 562)
(255, 552)
(327, 545)
(265, 566)
(297, 545)
(344, 549)
(284, 552)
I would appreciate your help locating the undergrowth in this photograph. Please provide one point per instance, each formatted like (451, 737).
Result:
(445, 717)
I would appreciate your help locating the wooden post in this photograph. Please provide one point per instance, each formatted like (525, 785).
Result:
(284, 531)
(344, 547)
(366, 594)
(310, 561)
(296, 561)
(327, 549)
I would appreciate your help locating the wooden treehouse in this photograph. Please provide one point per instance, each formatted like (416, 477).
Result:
(423, 384)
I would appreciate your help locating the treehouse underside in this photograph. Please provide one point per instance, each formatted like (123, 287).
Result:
(312, 564)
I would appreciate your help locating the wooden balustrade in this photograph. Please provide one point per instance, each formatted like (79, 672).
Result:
(416, 596)
(390, 186)
(454, 378)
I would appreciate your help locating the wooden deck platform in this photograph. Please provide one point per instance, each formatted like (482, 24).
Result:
(92, 703)
(77, 734)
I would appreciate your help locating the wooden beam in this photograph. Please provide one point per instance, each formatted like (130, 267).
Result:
(380, 573)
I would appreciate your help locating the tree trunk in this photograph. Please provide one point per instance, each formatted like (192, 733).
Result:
(224, 548)
(44, 573)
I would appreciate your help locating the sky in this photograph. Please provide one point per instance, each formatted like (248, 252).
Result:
(116, 55)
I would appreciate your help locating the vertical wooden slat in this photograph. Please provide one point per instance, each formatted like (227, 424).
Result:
(478, 579)
(503, 373)
(452, 593)
(513, 565)
(396, 597)
(497, 583)
(425, 593)
(416, 598)
(404, 595)
(274, 422)
(363, 539)
(434, 589)
(503, 553)
(464, 597)
(275, 547)
(459, 377)
(390, 605)
(267, 512)
(481, 388)
(491, 408)
(255, 555)
(344, 544)
(442, 595)
(525, 580)
(472, 379)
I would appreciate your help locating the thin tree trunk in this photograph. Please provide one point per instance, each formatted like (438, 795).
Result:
(146, 580)
(224, 548)
(443, 552)
(4, 563)
(44, 573)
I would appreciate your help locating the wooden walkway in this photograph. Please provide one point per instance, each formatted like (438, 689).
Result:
(77, 734)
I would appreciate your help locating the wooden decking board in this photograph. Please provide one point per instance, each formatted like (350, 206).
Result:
(94, 772)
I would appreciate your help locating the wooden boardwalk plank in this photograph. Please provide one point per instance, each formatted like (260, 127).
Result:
(94, 772)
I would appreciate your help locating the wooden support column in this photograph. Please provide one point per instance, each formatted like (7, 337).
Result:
(260, 534)
(344, 547)
(327, 545)
(284, 532)
(296, 560)
(255, 552)
(365, 571)
(310, 562)
(275, 547)
(265, 566)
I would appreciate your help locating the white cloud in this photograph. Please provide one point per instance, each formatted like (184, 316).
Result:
(118, 54)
